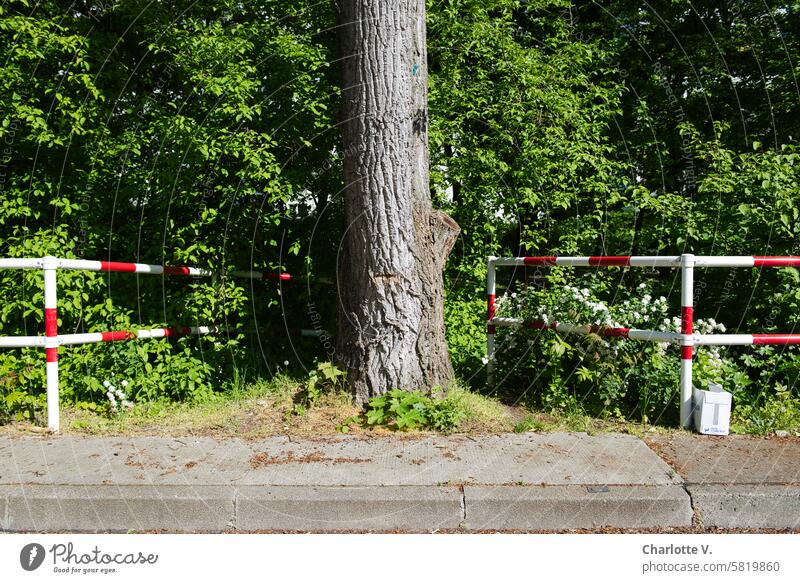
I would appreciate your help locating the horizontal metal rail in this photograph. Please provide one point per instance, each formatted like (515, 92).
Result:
(123, 267)
(649, 261)
(686, 338)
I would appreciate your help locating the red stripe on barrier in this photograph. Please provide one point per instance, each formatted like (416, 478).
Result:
(686, 352)
(117, 335)
(609, 260)
(276, 276)
(687, 319)
(776, 338)
(176, 270)
(52, 354)
(775, 261)
(548, 260)
(490, 307)
(50, 322)
(177, 331)
(539, 325)
(617, 332)
(117, 266)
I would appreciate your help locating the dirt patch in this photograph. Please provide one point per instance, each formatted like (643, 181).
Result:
(706, 459)
(190, 465)
(133, 463)
(262, 459)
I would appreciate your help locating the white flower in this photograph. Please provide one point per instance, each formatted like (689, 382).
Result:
(642, 285)
(124, 383)
(485, 360)
(106, 384)
(285, 363)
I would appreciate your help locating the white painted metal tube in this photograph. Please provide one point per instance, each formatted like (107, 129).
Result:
(592, 261)
(90, 265)
(512, 322)
(86, 338)
(687, 339)
(490, 313)
(729, 261)
(50, 266)
(574, 328)
(633, 334)
(654, 336)
(20, 263)
(573, 261)
(723, 339)
(507, 261)
(655, 261)
(93, 337)
(22, 341)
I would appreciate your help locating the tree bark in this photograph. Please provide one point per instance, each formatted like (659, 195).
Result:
(391, 308)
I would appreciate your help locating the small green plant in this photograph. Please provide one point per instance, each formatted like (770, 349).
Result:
(325, 378)
(778, 411)
(399, 409)
(530, 423)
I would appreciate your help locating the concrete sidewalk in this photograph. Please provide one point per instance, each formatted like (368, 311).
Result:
(552, 481)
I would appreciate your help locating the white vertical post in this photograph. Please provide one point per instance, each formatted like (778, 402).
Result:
(687, 339)
(50, 266)
(490, 313)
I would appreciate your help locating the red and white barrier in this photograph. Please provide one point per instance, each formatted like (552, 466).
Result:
(52, 339)
(121, 335)
(686, 338)
(50, 265)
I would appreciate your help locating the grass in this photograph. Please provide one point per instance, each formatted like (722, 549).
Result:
(277, 407)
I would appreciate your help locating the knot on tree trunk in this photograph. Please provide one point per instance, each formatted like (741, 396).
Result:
(445, 234)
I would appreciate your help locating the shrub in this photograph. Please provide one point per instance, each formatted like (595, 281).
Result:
(399, 409)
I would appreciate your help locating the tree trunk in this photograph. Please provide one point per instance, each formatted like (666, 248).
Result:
(391, 297)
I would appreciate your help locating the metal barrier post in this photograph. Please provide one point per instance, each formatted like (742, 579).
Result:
(50, 266)
(687, 339)
(490, 313)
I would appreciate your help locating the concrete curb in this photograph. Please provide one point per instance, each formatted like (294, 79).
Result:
(117, 508)
(553, 482)
(348, 508)
(218, 508)
(406, 508)
(576, 507)
(747, 506)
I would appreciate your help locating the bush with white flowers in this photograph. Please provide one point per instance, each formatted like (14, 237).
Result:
(607, 376)
(117, 399)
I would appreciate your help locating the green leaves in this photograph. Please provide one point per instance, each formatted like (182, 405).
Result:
(403, 410)
(326, 378)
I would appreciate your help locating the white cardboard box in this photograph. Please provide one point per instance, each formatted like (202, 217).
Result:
(712, 410)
